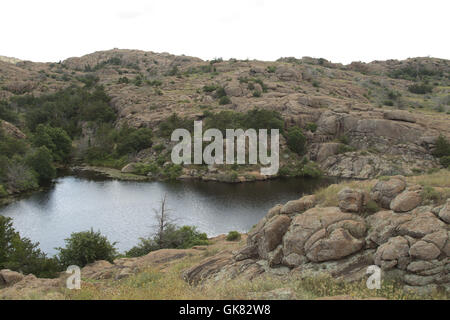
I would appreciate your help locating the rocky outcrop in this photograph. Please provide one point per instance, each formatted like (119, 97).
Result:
(9, 278)
(406, 201)
(351, 200)
(300, 205)
(409, 242)
(399, 115)
(385, 191)
(287, 74)
(11, 130)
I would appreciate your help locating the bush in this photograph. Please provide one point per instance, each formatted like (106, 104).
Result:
(123, 80)
(445, 161)
(372, 207)
(20, 254)
(159, 147)
(3, 192)
(233, 236)
(19, 177)
(172, 171)
(41, 162)
(344, 139)
(224, 100)
(209, 88)
(343, 148)
(167, 126)
(430, 195)
(66, 108)
(420, 88)
(296, 141)
(263, 119)
(173, 237)
(442, 147)
(144, 247)
(311, 170)
(311, 126)
(86, 247)
(133, 140)
(145, 168)
(271, 69)
(54, 139)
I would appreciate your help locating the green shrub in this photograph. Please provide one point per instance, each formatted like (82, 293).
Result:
(311, 126)
(442, 147)
(172, 171)
(41, 162)
(445, 161)
(123, 80)
(19, 177)
(173, 72)
(271, 69)
(311, 170)
(159, 147)
(420, 88)
(372, 207)
(220, 92)
(54, 139)
(344, 139)
(3, 192)
(173, 237)
(256, 94)
(233, 236)
(86, 247)
(209, 88)
(296, 141)
(146, 168)
(67, 108)
(430, 195)
(343, 148)
(133, 140)
(167, 126)
(144, 247)
(20, 254)
(224, 100)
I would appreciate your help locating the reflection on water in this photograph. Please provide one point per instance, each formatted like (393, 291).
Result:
(123, 210)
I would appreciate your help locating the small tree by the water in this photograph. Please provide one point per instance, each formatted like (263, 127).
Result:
(168, 234)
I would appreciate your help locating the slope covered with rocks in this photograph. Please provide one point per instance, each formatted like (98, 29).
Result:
(361, 120)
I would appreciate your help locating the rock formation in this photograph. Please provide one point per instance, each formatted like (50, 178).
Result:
(410, 242)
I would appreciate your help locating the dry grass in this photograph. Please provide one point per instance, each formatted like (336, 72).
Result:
(327, 196)
(439, 179)
(156, 285)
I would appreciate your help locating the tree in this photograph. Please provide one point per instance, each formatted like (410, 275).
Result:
(55, 139)
(164, 222)
(296, 140)
(41, 162)
(168, 235)
(20, 254)
(442, 148)
(86, 247)
(19, 176)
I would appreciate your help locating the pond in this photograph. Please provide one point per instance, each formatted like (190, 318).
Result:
(124, 210)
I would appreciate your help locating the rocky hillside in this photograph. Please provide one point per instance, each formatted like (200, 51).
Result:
(361, 120)
(319, 245)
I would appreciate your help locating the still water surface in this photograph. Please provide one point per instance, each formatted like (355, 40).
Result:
(123, 210)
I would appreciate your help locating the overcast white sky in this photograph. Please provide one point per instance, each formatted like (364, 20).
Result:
(340, 31)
